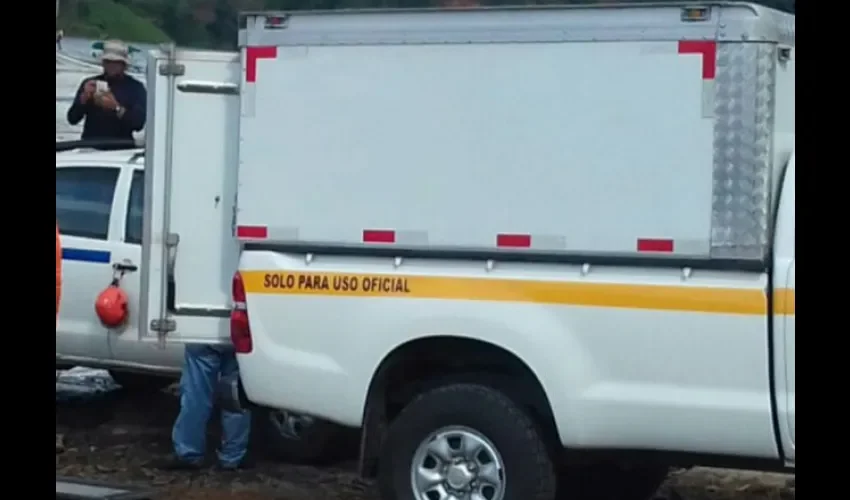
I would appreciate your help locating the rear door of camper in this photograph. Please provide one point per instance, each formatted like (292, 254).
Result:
(188, 252)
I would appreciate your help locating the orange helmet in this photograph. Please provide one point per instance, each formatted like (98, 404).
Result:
(111, 306)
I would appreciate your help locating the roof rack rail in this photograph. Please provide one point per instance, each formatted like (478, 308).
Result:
(100, 144)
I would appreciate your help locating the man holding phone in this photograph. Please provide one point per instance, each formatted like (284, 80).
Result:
(113, 103)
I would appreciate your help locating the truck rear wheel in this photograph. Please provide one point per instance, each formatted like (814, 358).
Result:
(466, 440)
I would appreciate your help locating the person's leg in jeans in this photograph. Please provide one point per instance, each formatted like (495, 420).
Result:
(235, 426)
(201, 367)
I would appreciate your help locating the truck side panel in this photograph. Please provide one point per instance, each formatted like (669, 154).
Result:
(470, 142)
(617, 350)
(784, 320)
(784, 282)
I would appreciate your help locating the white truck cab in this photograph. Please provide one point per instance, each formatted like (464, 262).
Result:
(100, 190)
(495, 241)
(99, 205)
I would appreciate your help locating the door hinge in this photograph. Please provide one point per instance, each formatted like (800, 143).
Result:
(172, 69)
(163, 325)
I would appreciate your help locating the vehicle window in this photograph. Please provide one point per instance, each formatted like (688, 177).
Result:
(84, 200)
(135, 206)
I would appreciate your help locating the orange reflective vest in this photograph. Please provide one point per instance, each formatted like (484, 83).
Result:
(58, 271)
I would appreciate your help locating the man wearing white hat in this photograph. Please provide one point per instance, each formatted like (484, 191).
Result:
(113, 103)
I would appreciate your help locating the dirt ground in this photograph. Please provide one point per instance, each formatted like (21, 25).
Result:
(113, 437)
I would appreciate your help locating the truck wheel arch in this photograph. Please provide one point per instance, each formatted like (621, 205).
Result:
(427, 362)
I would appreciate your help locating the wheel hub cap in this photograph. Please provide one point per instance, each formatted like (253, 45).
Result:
(457, 463)
(459, 476)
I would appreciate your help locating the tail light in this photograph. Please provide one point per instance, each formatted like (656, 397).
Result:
(240, 328)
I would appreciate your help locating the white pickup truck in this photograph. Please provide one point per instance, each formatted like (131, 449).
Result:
(99, 207)
(99, 204)
(521, 249)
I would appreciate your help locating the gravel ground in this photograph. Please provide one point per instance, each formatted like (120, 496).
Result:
(112, 437)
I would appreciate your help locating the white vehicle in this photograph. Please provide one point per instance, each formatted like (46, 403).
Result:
(99, 206)
(485, 237)
(99, 203)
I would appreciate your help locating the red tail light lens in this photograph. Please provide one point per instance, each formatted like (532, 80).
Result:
(240, 328)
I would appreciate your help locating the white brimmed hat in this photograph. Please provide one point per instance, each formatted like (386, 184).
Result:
(115, 51)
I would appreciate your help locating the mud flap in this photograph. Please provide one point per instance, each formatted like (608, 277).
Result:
(78, 489)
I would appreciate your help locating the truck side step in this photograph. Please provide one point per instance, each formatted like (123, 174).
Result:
(78, 489)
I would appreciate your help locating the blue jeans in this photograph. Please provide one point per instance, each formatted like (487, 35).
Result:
(202, 367)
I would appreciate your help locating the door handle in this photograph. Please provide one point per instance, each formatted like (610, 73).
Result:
(125, 267)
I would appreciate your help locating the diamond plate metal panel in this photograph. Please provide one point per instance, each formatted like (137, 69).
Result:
(743, 149)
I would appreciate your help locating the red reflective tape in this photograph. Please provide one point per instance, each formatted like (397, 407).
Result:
(654, 245)
(513, 240)
(252, 54)
(708, 50)
(255, 232)
(378, 236)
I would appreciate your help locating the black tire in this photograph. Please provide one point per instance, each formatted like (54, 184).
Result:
(611, 482)
(138, 382)
(317, 443)
(529, 471)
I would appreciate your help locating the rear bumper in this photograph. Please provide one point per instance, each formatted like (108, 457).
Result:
(231, 395)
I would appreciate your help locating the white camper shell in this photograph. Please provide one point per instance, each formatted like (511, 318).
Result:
(634, 131)
(517, 129)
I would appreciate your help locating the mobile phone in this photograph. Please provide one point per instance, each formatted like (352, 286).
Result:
(101, 86)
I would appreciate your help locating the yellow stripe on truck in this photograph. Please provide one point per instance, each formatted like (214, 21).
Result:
(784, 301)
(670, 298)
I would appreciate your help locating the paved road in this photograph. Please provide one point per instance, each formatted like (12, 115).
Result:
(81, 48)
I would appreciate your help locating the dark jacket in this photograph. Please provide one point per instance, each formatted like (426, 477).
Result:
(103, 124)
